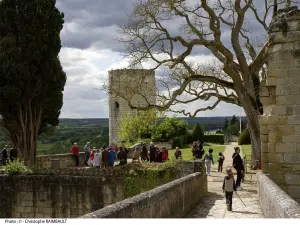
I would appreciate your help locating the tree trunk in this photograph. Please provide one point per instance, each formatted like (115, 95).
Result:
(253, 125)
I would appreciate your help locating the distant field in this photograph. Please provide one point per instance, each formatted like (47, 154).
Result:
(187, 152)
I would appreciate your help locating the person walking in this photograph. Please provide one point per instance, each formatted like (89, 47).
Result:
(208, 158)
(75, 152)
(229, 187)
(220, 162)
(87, 151)
(238, 165)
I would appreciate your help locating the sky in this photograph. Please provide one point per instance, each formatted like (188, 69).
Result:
(90, 50)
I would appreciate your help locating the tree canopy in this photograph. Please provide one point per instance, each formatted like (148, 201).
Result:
(197, 133)
(31, 76)
(169, 33)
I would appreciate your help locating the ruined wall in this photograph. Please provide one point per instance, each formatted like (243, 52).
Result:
(136, 85)
(280, 95)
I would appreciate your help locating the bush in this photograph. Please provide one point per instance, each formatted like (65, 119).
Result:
(178, 142)
(214, 138)
(244, 138)
(16, 167)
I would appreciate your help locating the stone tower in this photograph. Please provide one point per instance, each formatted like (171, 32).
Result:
(137, 86)
(280, 95)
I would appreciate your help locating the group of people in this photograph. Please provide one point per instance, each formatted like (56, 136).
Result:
(231, 185)
(7, 155)
(104, 157)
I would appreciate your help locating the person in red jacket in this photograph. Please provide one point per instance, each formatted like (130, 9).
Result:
(75, 152)
(165, 154)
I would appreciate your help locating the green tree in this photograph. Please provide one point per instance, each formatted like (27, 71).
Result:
(168, 129)
(225, 125)
(233, 120)
(31, 76)
(132, 127)
(197, 133)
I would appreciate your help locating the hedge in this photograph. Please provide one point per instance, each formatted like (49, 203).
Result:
(244, 138)
(214, 138)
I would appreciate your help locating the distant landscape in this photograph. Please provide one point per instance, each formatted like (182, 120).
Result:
(96, 130)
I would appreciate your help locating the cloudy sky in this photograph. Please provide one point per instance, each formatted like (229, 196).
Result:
(90, 50)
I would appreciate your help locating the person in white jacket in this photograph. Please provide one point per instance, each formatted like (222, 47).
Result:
(97, 159)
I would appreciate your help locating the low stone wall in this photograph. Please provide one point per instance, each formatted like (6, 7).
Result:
(172, 200)
(274, 202)
(58, 160)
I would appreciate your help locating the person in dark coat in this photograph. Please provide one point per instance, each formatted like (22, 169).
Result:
(152, 152)
(13, 154)
(122, 156)
(238, 165)
(4, 155)
(144, 153)
(159, 156)
(178, 154)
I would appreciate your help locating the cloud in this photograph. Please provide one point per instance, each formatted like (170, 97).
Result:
(90, 50)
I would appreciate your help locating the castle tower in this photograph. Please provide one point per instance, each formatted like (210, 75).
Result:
(280, 95)
(137, 86)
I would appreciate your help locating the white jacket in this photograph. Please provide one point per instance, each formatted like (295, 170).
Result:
(97, 159)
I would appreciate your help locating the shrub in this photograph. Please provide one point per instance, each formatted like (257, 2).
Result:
(178, 142)
(197, 133)
(244, 138)
(214, 138)
(16, 167)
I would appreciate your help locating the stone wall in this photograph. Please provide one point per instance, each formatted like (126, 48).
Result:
(274, 202)
(57, 161)
(136, 85)
(172, 200)
(73, 192)
(280, 95)
(57, 196)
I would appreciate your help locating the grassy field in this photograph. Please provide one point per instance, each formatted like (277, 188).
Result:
(246, 149)
(187, 152)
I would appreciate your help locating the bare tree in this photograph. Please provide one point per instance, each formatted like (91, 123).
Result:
(219, 26)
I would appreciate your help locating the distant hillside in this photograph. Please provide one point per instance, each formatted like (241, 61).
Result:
(208, 123)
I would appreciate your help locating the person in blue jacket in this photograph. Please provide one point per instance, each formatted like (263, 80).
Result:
(111, 158)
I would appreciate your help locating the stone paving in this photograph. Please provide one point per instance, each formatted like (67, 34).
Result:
(213, 206)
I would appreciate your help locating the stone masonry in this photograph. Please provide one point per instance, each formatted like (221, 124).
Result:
(280, 95)
(134, 85)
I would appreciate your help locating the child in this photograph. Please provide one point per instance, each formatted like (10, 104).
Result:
(208, 158)
(228, 188)
(220, 161)
(178, 154)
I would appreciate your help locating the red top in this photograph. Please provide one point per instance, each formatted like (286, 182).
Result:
(92, 155)
(74, 150)
(165, 155)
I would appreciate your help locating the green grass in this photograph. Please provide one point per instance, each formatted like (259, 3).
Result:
(187, 152)
(246, 149)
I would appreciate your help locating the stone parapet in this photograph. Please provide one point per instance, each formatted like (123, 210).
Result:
(274, 202)
(172, 200)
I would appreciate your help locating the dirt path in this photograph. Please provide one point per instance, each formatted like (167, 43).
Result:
(213, 206)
